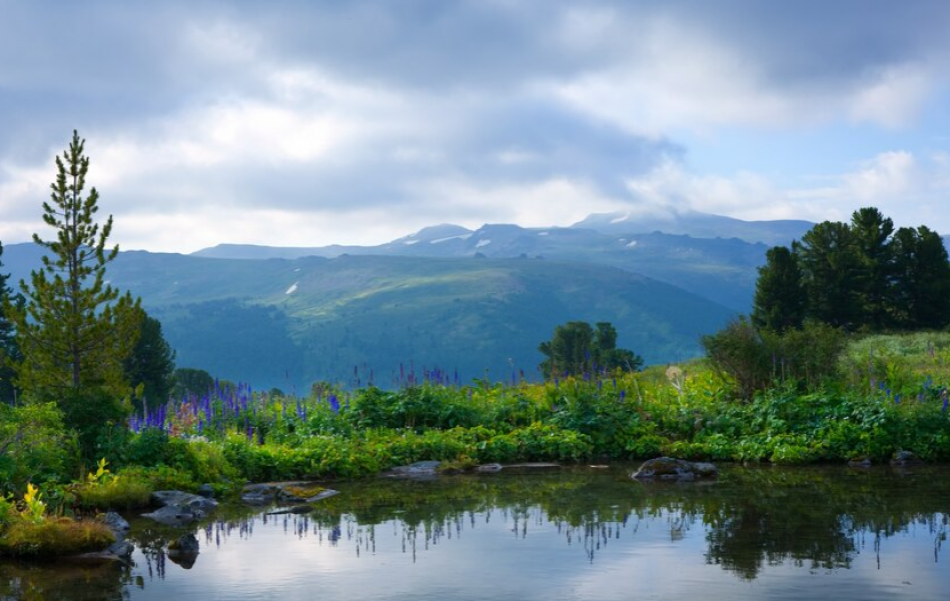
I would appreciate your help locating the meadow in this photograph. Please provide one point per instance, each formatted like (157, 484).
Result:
(888, 394)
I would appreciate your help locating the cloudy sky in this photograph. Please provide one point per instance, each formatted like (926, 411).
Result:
(310, 123)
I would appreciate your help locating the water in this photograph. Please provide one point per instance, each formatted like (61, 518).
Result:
(582, 533)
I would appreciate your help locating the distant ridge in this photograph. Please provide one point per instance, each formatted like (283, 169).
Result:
(698, 225)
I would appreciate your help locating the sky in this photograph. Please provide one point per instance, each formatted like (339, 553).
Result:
(306, 123)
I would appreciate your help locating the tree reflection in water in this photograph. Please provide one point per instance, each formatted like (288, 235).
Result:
(819, 518)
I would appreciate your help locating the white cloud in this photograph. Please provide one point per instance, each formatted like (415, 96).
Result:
(908, 188)
(892, 97)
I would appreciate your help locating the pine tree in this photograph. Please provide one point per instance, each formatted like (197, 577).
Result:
(921, 279)
(871, 236)
(779, 304)
(151, 363)
(75, 330)
(830, 265)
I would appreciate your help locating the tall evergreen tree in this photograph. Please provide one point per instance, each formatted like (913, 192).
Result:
(780, 301)
(871, 235)
(921, 279)
(75, 330)
(830, 264)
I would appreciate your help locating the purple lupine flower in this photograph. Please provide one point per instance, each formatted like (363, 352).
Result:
(334, 404)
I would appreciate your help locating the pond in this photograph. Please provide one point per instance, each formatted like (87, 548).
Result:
(579, 533)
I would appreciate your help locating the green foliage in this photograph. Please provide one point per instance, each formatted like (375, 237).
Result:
(10, 353)
(187, 381)
(857, 275)
(75, 329)
(34, 446)
(151, 362)
(737, 352)
(922, 279)
(54, 538)
(779, 303)
(576, 348)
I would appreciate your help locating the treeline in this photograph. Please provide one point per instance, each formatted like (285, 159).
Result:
(840, 278)
(862, 275)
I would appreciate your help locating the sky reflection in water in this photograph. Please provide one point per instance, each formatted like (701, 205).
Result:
(582, 534)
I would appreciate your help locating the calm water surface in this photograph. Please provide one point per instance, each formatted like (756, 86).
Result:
(760, 533)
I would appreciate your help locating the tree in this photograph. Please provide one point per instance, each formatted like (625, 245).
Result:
(871, 236)
(576, 348)
(187, 381)
(151, 363)
(921, 279)
(830, 266)
(75, 330)
(9, 349)
(779, 304)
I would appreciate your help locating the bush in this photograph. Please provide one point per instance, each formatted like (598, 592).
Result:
(34, 446)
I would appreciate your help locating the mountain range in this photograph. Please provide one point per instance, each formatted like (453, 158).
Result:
(475, 303)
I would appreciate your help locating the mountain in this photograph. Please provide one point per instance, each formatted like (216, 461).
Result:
(722, 270)
(289, 322)
(698, 225)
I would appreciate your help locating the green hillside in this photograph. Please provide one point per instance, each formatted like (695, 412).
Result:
(288, 323)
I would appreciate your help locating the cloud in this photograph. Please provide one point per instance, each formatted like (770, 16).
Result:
(345, 113)
(901, 184)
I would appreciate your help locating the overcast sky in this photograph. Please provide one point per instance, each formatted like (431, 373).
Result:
(311, 123)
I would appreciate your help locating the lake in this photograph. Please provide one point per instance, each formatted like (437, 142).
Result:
(577, 533)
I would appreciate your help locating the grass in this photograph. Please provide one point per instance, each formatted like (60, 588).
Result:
(54, 537)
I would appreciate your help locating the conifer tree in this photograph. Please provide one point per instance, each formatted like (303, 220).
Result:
(871, 236)
(830, 265)
(151, 363)
(75, 330)
(921, 279)
(779, 304)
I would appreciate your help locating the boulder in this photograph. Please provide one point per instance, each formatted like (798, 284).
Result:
(184, 545)
(285, 492)
(667, 468)
(206, 491)
(175, 515)
(862, 462)
(115, 522)
(164, 498)
(905, 459)
(184, 551)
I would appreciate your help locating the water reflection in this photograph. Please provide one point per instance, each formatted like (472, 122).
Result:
(579, 525)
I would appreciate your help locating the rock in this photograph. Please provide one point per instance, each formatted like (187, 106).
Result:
(667, 468)
(420, 470)
(121, 549)
(185, 545)
(905, 459)
(115, 522)
(488, 468)
(286, 492)
(175, 515)
(862, 462)
(206, 491)
(201, 504)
